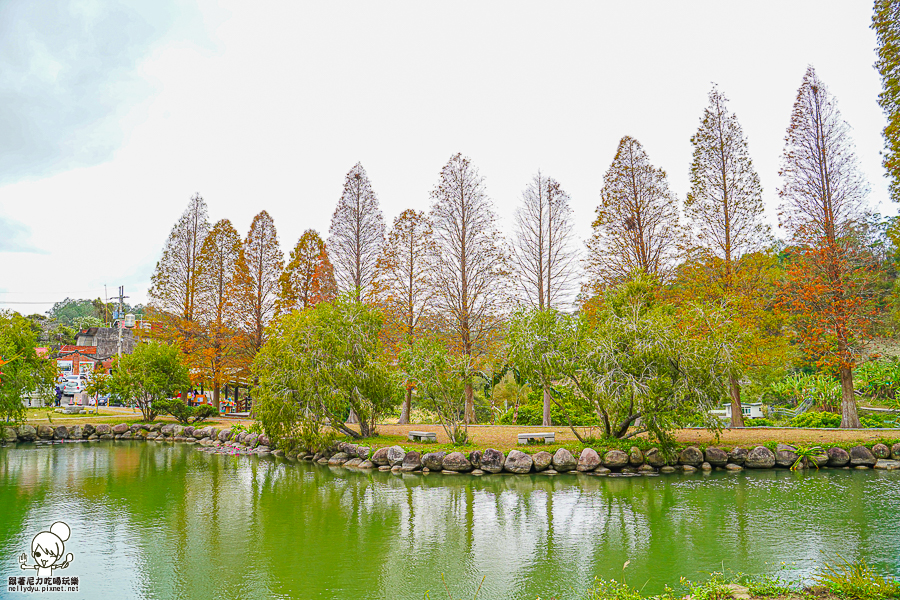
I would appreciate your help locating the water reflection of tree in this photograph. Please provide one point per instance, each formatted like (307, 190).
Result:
(192, 524)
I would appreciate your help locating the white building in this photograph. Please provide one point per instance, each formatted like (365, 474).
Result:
(750, 410)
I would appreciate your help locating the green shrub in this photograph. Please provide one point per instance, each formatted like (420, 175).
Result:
(183, 413)
(816, 419)
(605, 589)
(759, 422)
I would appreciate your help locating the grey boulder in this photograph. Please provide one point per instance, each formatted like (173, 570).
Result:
(542, 460)
(412, 461)
(716, 456)
(516, 462)
(837, 457)
(380, 457)
(785, 455)
(691, 456)
(492, 461)
(737, 456)
(434, 461)
(457, 462)
(654, 458)
(760, 458)
(28, 432)
(564, 461)
(860, 456)
(588, 460)
(615, 459)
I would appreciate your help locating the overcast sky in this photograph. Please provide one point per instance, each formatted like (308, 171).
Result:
(113, 114)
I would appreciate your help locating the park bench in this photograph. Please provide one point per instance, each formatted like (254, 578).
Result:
(422, 436)
(547, 438)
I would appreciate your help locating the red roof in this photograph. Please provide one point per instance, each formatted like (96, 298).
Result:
(42, 352)
(82, 349)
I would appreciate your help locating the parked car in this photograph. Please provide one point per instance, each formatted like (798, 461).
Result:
(74, 385)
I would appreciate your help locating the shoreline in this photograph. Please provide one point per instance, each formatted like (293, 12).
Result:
(607, 461)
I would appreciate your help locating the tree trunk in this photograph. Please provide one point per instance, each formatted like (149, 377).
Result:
(405, 408)
(849, 416)
(546, 422)
(352, 418)
(216, 396)
(737, 415)
(470, 404)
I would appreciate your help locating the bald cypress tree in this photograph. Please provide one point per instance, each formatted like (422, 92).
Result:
(725, 209)
(636, 227)
(356, 234)
(828, 284)
(258, 273)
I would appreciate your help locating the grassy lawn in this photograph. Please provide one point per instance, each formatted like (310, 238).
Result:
(504, 438)
(108, 415)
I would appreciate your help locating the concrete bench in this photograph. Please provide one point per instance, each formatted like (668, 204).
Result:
(422, 436)
(547, 438)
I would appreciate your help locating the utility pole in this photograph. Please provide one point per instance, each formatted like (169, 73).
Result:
(122, 297)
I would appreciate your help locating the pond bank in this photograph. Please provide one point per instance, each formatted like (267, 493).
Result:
(612, 462)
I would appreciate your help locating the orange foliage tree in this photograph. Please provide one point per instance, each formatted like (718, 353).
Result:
(308, 277)
(175, 282)
(218, 263)
(257, 276)
(829, 283)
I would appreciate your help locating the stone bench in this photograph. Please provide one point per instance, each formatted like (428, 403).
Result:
(422, 436)
(547, 438)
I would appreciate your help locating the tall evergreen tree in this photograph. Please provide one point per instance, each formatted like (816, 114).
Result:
(174, 283)
(471, 265)
(218, 264)
(726, 210)
(637, 220)
(356, 234)
(828, 286)
(886, 23)
(299, 279)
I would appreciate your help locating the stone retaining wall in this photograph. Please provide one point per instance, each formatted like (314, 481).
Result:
(395, 458)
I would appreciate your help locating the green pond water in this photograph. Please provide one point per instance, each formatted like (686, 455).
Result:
(161, 521)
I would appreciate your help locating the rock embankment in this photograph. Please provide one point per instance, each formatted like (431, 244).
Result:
(477, 462)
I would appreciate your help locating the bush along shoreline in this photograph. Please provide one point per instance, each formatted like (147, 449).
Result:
(614, 462)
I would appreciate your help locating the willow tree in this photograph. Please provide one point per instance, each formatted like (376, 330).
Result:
(356, 234)
(543, 253)
(404, 284)
(828, 283)
(301, 282)
(176, 279)
(725, 209)
(886, 23)
(324, 363)
(258, 272)
(471, 263)
(218, 265)
(636, 227)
